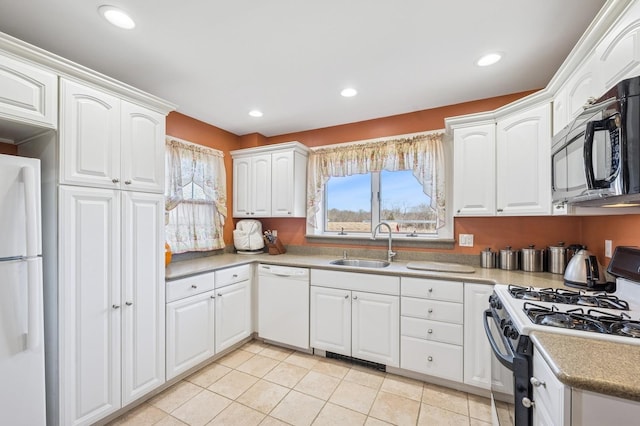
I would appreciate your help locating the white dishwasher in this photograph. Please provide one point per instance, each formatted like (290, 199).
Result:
(283, 305)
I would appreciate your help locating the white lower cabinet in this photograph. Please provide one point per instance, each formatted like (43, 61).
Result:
(481, 368)
(190, 322)
(432, 327)
(233, 306)
(111, 298)
(552, 399)
(355, 323)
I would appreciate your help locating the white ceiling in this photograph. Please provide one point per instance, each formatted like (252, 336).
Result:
(217, 60)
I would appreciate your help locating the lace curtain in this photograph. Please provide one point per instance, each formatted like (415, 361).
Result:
(424, 154)
(195, 197)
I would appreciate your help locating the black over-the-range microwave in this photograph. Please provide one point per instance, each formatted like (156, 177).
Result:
(595, 160)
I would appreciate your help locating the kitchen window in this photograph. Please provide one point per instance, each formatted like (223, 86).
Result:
(195, 194)
(353, 203)
(401, 180)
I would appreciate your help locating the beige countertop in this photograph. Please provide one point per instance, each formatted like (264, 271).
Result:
(480, 275)
(589, 364)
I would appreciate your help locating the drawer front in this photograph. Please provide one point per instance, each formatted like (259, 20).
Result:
(434, 331)
(432, 358)
(371, 283)
(185, 287)
(450, 291)
(434, 310)
(233, 275)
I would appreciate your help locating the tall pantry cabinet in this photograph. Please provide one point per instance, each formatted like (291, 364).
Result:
(103, 238)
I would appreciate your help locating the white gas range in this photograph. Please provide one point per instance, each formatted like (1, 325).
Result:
(517, 311)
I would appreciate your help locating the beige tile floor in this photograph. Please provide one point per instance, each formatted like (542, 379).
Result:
(262, 384)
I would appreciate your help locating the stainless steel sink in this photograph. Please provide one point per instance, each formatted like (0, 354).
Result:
(361, 263)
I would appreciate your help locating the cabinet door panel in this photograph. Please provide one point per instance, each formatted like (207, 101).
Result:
(190, 332)
(331, 320)
(89, 136)
(375, 328)
(261, 185)
(432, 358)
(90, 303)
(281, 184)
(523, 166)
(474, 192)
(242, 187)
(142, 149)
(233, 314)
(143, 309)
(28, 93)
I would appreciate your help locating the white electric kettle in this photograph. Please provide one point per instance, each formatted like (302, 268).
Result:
(585, 272)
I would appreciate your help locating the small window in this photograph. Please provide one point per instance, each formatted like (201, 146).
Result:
(354, 203)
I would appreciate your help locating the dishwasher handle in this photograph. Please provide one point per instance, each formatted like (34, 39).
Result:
(283, 271)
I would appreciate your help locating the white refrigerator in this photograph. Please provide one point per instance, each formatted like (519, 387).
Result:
(22, 379)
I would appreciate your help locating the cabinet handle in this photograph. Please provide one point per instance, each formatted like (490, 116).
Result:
(115, 180)
(128, 303)
(194, 286)
(115, 306)
(430, 310)
(429, 358)
(127, 182)
(527, 402)
(430, 331)
(537, 383)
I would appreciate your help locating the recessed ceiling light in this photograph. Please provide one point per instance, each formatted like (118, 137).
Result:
(349, 92)
(489, 59)
(117, 17)
(255, 113)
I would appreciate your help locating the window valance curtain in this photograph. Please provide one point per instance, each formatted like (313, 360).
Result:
(194, 223)
(423, 154)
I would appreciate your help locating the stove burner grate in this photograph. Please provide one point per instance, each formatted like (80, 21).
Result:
(568, 297)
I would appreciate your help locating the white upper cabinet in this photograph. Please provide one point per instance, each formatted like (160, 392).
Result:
(474, 172)
(28, 94)
(523, 172)
(618, 53)
(109, 143)
(270, 181)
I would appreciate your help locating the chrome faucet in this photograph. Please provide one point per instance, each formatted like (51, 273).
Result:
(390, 254)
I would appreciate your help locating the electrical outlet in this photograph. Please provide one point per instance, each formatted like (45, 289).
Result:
(274, 233)
(607, 248)
(466, 240)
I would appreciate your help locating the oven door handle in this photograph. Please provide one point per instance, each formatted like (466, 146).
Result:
(505, 359)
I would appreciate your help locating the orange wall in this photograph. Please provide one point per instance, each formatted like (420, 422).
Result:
(494, 232)
(6, 148)
(621, 230)
(192, 130)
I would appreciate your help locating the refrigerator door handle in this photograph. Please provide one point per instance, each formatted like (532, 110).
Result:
(34, 274)
(31, 215)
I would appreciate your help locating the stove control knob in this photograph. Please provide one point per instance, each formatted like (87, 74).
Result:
(527, 402)
(510, 332)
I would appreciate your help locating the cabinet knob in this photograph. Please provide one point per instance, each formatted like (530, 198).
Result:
(235, 275)
(213, 296)
(194, 286)
(537, 383)
(115, 306)
(219, 294)
(430, 290)
(430, 331)
(346, 296)
(115, 180)
(127, 182)
(430, 310)
(128, 303)
(500, 210)
(355, 297)
(458, 211)
(288, 212)
(527, 402)
(429, 358)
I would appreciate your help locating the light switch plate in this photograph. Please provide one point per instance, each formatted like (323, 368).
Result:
(465, 240)
(607, 248)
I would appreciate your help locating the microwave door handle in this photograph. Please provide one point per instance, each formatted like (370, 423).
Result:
(505, 359)
(588, 153)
